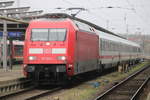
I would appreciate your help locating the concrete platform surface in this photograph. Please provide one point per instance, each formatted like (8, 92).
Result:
(13, 74)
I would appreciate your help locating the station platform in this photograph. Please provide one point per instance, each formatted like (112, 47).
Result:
(9, 75)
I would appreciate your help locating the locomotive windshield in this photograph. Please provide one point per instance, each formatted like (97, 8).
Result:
(19, 50)
(48, 34)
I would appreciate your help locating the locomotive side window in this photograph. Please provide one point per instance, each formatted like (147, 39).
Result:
(54, 34)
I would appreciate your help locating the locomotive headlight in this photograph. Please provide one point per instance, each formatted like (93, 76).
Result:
(32, 58)
(61, 57)
(30, 69)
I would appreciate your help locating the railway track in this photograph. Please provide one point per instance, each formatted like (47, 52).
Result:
(12, 86)
(30, 94)
(45, 93)
(128, 89)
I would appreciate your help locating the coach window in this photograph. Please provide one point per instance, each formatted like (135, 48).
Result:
(103, 44)
(128, 48)
(133, 49)
(114, 46)
(139, 50)
(117, 47)
(125, 48)
(136, 49)
(106, 47)
(122, 47)
(111, 46)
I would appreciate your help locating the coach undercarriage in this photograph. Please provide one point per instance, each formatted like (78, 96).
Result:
(47, 74)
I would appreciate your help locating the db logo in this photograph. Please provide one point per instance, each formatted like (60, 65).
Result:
(47, 51)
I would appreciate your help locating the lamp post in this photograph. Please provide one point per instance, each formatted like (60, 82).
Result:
(4, 13)
(5, 43)
(5, 4)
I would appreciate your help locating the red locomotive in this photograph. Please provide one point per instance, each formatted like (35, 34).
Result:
(58, 48)
(16, 51)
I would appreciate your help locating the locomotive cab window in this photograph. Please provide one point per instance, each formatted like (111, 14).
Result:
(39, 35)
(57, 34)
(52, 34)
(19, 49)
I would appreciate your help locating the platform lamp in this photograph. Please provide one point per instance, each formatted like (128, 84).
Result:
(4, 13)
(6, 4)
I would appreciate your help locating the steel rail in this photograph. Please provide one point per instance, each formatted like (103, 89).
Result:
(120, 83)
(135, 96)
(44, 94)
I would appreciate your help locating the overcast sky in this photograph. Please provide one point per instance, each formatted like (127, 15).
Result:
(136, 12)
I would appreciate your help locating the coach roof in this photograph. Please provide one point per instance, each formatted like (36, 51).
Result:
(110, 37)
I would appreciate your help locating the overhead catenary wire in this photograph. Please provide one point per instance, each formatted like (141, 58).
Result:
(68, 2)
(130, 7)
(136, 13)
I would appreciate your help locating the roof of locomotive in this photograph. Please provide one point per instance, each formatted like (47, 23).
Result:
(110, 37)
(64, 15)
(103, 32)
(50, 19)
